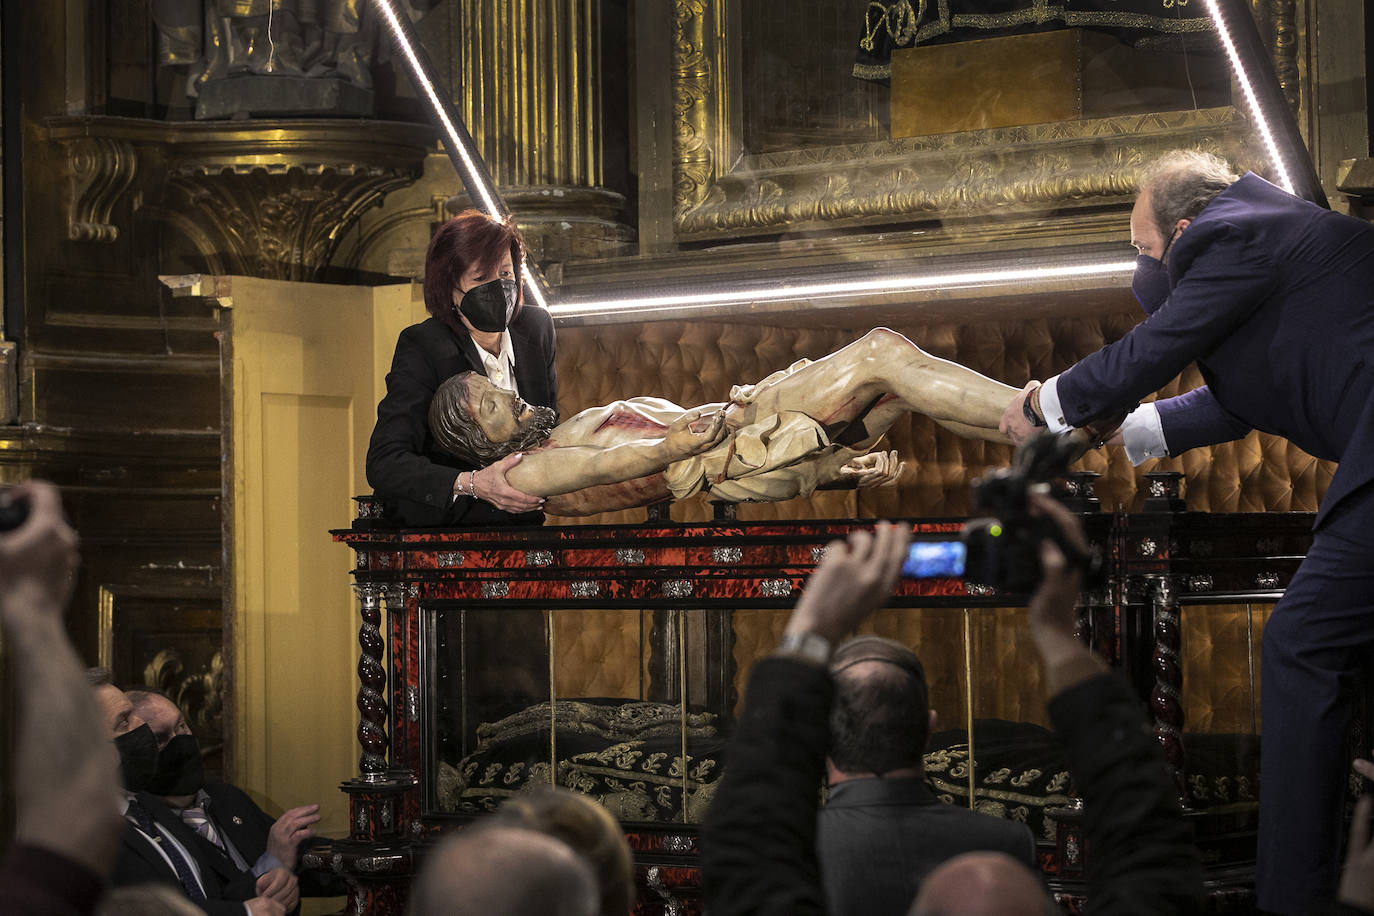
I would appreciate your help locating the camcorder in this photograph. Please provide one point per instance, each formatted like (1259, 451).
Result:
(1001, 549)
(14, 511)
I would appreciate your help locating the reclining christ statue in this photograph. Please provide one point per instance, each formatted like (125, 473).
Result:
(809, 425)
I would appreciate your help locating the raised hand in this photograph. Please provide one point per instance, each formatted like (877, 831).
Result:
(38, 560)
(289, 831)
(1357, 880)
(854, 579)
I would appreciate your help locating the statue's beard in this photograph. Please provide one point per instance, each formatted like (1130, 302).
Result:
(456, 433)
(531, 432)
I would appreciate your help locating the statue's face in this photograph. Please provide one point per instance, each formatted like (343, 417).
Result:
(500, 413)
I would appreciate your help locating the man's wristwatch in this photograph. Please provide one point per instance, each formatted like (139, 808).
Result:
(1031, 408)
(809, 646)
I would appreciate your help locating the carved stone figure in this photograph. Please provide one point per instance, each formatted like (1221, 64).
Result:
(809, 425)
(216, 40)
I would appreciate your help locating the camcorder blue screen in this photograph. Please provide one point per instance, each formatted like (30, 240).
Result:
(935, 559)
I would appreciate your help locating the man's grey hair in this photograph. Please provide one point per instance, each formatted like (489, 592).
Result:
(1182, 183)
(98, 677)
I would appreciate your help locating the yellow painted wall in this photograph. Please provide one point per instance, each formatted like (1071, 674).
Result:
(308, 363)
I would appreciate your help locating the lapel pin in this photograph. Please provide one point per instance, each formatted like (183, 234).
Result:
(238, 821)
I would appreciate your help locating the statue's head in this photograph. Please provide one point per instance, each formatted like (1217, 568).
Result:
(474, 420)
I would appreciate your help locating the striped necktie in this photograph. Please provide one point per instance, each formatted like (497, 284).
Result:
(198, 820)
(144, 819)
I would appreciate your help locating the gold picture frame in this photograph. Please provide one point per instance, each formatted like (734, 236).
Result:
(1074, 168)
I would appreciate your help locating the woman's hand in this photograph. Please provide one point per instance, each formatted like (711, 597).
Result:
(489, 485)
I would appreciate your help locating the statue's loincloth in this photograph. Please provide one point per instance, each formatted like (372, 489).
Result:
(768, 460)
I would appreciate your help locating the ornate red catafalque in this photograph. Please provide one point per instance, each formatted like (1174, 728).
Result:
(609, 659)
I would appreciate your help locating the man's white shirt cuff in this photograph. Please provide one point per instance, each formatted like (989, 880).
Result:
(1143, 435)
(1049, 406)
(1141, 431)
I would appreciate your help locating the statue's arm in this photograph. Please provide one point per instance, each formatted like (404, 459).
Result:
(566, 468)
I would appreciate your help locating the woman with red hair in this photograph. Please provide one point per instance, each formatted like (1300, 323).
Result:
(477, 323)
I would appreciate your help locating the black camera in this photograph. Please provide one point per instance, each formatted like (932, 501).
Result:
(14, 511)
(1002, 549)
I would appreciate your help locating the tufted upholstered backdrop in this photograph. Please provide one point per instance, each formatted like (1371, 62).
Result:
(697, 362)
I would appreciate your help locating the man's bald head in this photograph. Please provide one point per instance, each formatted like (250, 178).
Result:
(880, 718)
(982, 884)
(504, 871)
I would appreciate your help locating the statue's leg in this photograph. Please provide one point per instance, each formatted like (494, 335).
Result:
(851, 382)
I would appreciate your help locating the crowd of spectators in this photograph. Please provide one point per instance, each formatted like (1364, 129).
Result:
(114, 814)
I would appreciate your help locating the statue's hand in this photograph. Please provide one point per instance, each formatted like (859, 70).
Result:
(697, 431)
(876, 469)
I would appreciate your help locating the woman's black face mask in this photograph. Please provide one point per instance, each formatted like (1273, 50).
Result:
(489, 307)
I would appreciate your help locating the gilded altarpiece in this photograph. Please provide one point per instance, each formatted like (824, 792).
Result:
(987, 183)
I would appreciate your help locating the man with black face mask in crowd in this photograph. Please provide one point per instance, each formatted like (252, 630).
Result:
(220, 813)
(1273, 297)
(157, 846)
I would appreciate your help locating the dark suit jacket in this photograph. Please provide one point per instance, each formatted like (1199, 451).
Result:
(239, 820)
(1274, 298)
(879, 838)
(138, 862)
(403, 464)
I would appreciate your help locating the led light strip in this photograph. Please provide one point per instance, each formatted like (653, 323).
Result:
(478, 181)
(896, 284)
(1247, 87)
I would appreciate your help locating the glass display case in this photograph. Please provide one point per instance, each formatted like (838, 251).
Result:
(611, 660)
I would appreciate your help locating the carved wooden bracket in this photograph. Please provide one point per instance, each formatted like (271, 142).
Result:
(269, 199)
(99, 171)
(283, 221)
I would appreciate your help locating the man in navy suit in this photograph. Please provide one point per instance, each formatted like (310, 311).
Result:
(1274, 299)
(158, 847)
(247, 837)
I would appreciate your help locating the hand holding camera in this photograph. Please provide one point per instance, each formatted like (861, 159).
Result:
(1003, 549)
(38, 554)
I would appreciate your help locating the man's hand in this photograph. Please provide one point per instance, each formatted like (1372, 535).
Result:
(280, 886)
(265, 906)
(38, 559)
(490, 485)
(853, 580)
(696, 431)
(876, 469)
(1014, 424)
(1357, 880)
(287, 834)
(1052, 616)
